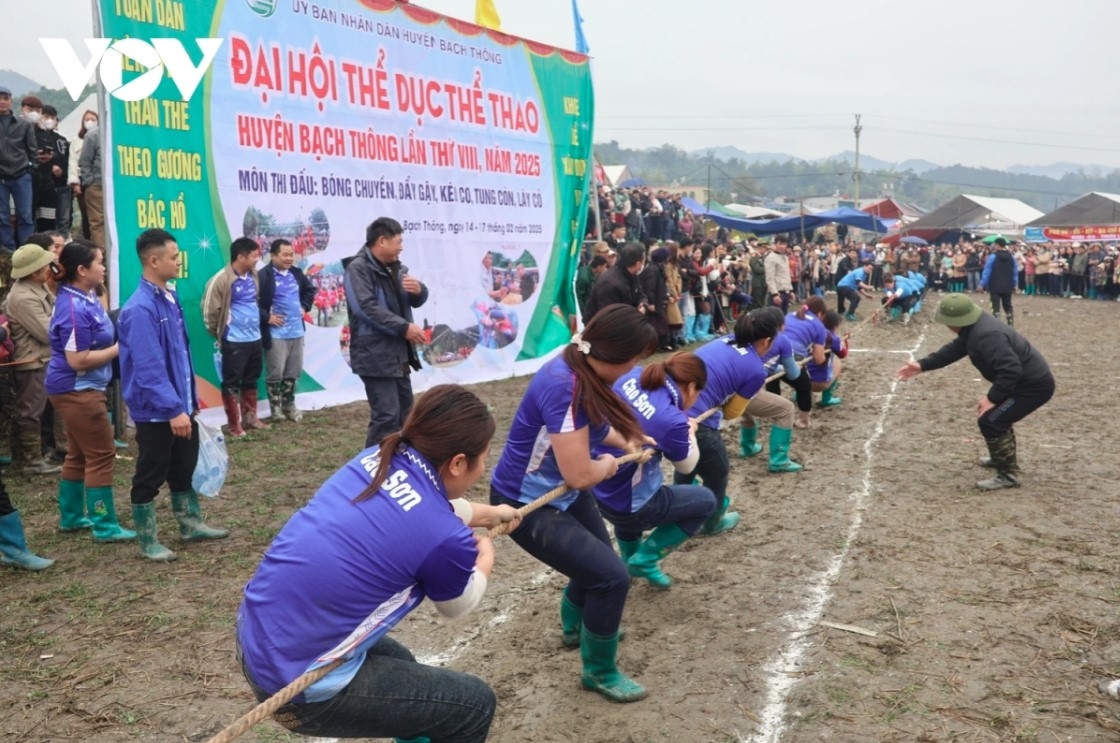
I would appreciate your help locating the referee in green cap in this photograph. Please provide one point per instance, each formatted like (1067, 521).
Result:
(1020, 378)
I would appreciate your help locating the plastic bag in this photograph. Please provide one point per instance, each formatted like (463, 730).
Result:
(213, 461)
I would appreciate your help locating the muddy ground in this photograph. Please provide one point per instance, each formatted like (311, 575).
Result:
(992, 615)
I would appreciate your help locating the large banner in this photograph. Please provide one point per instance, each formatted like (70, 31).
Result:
(1088, 234)
(314, 119)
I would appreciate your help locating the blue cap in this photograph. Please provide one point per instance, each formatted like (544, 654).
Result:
(5, 91)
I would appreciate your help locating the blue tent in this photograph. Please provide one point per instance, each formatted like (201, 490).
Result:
(796, 222)
(631, 183)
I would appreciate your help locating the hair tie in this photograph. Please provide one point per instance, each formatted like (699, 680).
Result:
(804, 308)
(583, 346)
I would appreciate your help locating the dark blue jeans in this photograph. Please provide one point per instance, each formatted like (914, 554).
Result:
(714, 466)
(19, 190)
(390, 399)
(393, 696)
(687, 506)
(576, 543)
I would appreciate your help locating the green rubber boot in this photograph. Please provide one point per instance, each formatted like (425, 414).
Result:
(748, 444)
(646, 562)
(600, 669)
(779, 451)
(828, 396)
(627, 547)
(103, 513)
(850, 317)
(571, 620)
(144, 519)
(189, 515)
(721, 520)
(72, 506)
(412, 740)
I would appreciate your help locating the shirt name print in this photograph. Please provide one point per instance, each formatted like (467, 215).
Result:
(394, 486)
(638, 399)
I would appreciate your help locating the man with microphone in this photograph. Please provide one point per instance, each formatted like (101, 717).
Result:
(380, 296)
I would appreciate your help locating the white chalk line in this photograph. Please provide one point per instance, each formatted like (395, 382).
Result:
(779, 670)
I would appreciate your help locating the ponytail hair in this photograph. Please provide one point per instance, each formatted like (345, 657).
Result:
(617, 334)
(684, 367)
(755, 326)
(775, 312)
(813, 304)
(447, 420)
(78, 253)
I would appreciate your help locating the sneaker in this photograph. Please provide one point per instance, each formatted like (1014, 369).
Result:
(1000, 482)
(41, 467)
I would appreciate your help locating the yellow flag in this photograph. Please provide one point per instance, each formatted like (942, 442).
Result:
(485, 14)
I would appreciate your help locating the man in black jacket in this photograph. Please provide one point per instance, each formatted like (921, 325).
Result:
(1020, 378)
(619, 284)
(1000, 277)
(18, 150)
(380, 297)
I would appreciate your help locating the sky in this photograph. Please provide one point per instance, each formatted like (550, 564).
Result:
(987, 83)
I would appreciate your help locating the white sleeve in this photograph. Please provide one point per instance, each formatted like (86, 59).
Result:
(688, 464)
(467, 602)
(463, 510)
(72, 165)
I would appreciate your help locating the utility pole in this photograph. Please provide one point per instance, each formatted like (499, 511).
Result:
(858, 129)
(708, 206)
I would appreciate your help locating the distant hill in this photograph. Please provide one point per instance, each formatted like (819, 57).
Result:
(1057, 170)
(734, 153)
(17, 83)
(868, 162)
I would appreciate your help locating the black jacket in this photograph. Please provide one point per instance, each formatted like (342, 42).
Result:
(652, 281)
(616, 285)
(1002, 356)
(1002, 278)
(380, 312)
(266, 292)
(18, 144)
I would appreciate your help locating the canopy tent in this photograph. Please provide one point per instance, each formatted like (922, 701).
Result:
(977, 214)
(890, 209)
(616, 174)
(1094, 216)
(712, 209)
(800, 222)
(631, 183)
(753, 212)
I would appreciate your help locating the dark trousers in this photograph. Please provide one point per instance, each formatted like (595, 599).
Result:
(390, 399)
(803, 386)
(393, 696)
(576, 543)
(714, 466)
(6, 506)
(1003, 298)
(164, 457)
(241, 365)
(851, 295)
(1022, 403)
(784, 298)
(687, 506)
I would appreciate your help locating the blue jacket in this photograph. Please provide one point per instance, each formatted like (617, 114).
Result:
(1001, 273)
(157, 377)
(266, 292)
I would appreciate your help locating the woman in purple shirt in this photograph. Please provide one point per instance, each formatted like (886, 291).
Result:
(82, 351)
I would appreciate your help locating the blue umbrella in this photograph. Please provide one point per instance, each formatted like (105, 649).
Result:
(913, 241)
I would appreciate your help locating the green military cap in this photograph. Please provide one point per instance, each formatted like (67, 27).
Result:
(957, 311)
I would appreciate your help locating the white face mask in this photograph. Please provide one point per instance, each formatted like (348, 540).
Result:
(32, 116)
(49, 124)
(91, 127)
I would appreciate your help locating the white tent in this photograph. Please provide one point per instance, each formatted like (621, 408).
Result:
(69, 126)
(754, 212)
(978, 214)
(617, 174)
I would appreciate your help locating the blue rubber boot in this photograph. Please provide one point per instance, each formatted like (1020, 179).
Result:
(690, 330)
(703, 325)
(13, 546)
